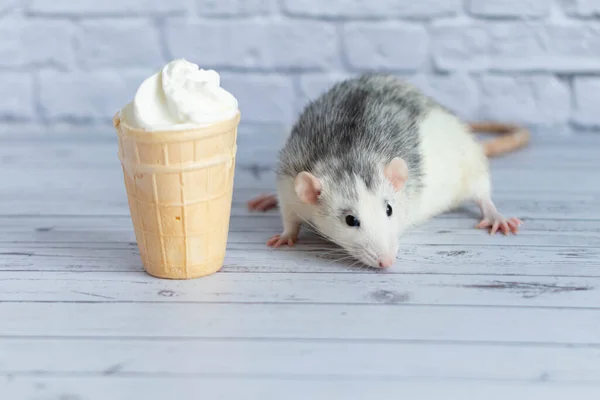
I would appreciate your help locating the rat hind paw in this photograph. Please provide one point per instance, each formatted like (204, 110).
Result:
(496, 222)
(264, 202)
(282, 240)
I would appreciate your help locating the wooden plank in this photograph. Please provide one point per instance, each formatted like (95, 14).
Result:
(331, 388)
(96, 186)
(256, 231)
(49, 225)
(309, 241)
(302, 321)
(304, 359)
(294, 323)
(441, 259)
(413, 259)
(302, 288)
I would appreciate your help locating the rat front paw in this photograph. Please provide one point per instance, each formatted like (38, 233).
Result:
(496, 222)
(282, 240)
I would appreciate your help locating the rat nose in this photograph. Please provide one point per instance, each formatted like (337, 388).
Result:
(385, 262)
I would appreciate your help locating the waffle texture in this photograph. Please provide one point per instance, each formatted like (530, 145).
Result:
(179, 187)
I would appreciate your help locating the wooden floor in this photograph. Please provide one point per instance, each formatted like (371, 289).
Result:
(462, 315)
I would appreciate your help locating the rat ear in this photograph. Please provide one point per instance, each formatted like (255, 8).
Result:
(396, 172)
(308, 187)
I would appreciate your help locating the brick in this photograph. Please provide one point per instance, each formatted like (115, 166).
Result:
(586, 92)
(516, 46)
(247, 44)
(501, 46)
(371, 9)
(457, 92)
(17, 96)
(238, 8)
(582, 8)
(105, 7)
(47, 43)
(379, 46)
(563, 47)
(262, 98)
(119, 44)
(537, 100)
(509, 8)
(574, 40)
(459, 45)
(87, 95)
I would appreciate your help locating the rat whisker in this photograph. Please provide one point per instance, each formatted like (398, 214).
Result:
(331, 255)
(340, 259)
(313, 248)
(316, 230)
(356, 262)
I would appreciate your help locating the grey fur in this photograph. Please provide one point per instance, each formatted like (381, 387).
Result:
(352, 128)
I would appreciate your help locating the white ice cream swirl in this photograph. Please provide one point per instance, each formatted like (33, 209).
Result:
(180, 96)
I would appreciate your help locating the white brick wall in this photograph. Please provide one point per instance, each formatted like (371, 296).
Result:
(385, 45)
(371, 9)
(97, 8)
(509, 8)
(73, 62)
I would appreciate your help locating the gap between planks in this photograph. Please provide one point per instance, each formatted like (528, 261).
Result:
(431, 290)
(327, 387)
(423, 323)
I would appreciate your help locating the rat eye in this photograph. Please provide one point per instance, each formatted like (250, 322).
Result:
(352, 221)
(388, 211)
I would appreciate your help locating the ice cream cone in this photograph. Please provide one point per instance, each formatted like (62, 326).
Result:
(179, 186)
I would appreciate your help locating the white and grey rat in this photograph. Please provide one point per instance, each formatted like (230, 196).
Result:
(374, 156)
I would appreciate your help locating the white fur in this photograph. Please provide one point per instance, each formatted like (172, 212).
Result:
(377, 237)
(455, 168)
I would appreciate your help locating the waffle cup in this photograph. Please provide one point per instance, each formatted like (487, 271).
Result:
(179, 187)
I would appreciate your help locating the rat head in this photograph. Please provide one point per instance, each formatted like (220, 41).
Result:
(364, 216)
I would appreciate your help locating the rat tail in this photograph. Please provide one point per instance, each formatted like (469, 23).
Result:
(512, 137)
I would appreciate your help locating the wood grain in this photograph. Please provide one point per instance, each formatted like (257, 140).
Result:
(462, 314)
(303, 321)
(313, 359)
(322, 288)
(158, 388)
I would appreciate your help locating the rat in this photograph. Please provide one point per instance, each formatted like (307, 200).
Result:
(374, 156)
